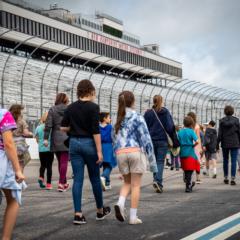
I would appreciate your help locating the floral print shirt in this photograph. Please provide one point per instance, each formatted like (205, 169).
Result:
(134, 133)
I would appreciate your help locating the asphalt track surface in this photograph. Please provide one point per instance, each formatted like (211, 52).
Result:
(171, 215)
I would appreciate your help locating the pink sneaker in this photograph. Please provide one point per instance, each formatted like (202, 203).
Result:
(49, 186)
(66, 186)
(61, 188)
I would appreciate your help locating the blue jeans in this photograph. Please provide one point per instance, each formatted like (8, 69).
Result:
(160, 150)
(83, 151)
(175, 161)
(234, 153)
(107, 169)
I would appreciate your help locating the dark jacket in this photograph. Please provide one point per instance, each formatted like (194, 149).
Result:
(52, 126)
(155, 129)
(229, 132)
(210, 140)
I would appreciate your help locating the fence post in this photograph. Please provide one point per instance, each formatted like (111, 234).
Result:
(42, 80)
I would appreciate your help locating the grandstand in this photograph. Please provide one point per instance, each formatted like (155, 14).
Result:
(46, 51)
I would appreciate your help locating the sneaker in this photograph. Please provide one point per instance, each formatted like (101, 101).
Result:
(135, 221)
(79, 220)
(226, 181)
(206, 174)
(198, 181)
(49, 186)
(103, 183)
(41, 183)
(66, 186)
(233, 183)
(119, 213)
(177, 169)
(106, 212)
(188, 190)
(108, 187)
(157, 187)
(214, 176)
(61, 188)
(171, 168)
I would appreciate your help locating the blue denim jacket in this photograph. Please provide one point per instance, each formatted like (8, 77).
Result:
(134, 133)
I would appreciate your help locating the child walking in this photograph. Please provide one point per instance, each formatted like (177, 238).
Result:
(131, 142)
(210, 148)
(109, 161)
(189, 160)
(45, 155)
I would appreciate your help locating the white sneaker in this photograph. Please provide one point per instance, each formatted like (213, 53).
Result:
(135, 221)
(109, 187)
(119, 213)
(103, 183)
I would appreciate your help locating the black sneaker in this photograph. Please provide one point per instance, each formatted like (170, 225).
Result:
(79, 220)
(119, 213)
(226, 181)
(233, 183)
(106, 212)
(171, 168)
(214, 176)
(188, 190)
(157, 187)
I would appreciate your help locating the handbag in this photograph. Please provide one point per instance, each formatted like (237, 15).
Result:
(170, 141)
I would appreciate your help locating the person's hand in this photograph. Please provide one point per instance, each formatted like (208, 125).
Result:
(204, 149)
(19, 176)
(45, 143)
(100, 158)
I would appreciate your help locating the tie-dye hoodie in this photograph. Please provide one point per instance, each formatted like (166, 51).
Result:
(134, 133)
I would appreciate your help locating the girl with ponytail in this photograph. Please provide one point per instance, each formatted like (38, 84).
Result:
(133, 147)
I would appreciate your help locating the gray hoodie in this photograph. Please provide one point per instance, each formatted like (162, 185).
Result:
(52, 126)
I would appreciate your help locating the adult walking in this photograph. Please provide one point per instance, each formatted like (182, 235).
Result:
(81, 121)
(229, 137)
(52, 129)
(132, 144)
(160, 123)
(11, 176)
(20, 134)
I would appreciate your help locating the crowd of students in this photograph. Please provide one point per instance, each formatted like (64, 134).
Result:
(80, 133)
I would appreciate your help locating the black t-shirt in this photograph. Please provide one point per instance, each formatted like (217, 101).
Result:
(83, 119)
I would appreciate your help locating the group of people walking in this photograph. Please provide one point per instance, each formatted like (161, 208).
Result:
(80, 133)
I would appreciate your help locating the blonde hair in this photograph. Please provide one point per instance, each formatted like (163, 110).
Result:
(157, 102)
(44, 117)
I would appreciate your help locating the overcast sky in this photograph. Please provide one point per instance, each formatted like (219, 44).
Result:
(202, 34)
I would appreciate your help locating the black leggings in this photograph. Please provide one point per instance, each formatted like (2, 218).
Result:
(188, 177)
(46, 160)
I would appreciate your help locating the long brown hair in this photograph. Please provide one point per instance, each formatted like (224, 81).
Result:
(157, 103)
(194, 117)
(125, 99)
(61, 98)
(16, 111)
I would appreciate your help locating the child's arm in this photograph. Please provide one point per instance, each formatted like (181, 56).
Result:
(196, 143)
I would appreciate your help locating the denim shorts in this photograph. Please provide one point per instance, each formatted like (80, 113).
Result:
(134, 162)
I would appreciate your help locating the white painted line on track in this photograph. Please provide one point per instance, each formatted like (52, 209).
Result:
(228, 233)
(205, 234)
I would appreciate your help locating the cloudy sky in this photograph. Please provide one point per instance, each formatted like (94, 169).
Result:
(202, 34)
